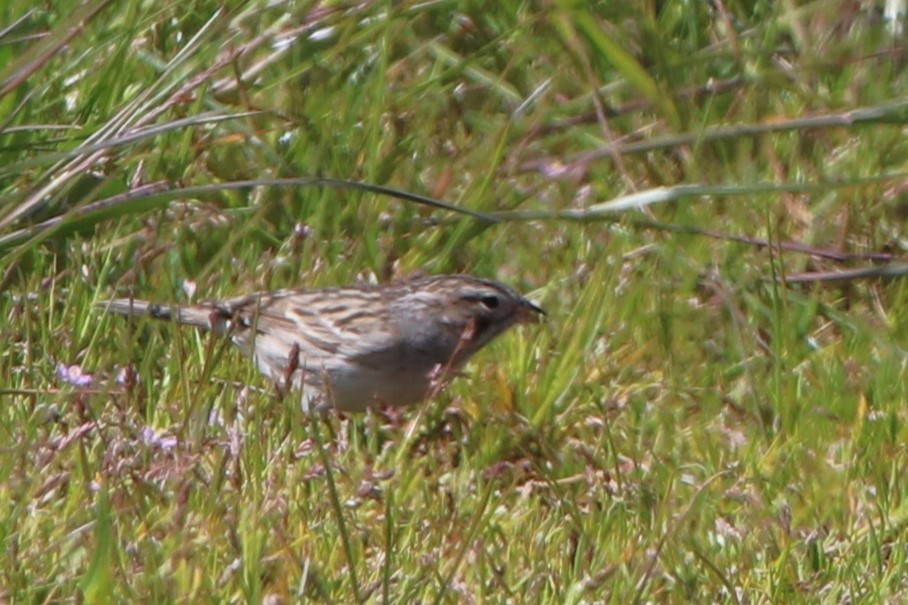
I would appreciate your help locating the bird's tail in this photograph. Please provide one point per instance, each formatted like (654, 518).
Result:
(207, 317)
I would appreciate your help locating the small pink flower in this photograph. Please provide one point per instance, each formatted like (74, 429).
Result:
(74, 375)
(127, 376)
(156, 440)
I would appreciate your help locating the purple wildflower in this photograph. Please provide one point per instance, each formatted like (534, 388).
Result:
(156, 440)
(74, 375)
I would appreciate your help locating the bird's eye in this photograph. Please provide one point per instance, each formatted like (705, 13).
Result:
(490, 302)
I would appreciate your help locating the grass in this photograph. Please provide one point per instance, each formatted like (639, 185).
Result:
(704, 417)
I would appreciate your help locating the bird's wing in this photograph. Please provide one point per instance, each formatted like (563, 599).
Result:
(326, 326)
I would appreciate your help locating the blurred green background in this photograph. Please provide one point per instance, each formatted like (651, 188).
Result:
(706, 415)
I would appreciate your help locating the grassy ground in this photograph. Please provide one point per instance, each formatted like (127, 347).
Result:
(703, 417)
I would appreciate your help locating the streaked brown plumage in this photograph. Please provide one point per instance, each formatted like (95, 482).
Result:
(354, 347)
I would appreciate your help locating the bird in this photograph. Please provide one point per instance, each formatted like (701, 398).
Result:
(357, 347)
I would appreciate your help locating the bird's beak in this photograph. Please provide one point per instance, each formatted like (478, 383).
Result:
(528, 313)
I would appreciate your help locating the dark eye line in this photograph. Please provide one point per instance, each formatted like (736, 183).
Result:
(489, 301)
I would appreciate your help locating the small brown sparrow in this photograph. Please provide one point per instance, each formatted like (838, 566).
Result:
(360, 346)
